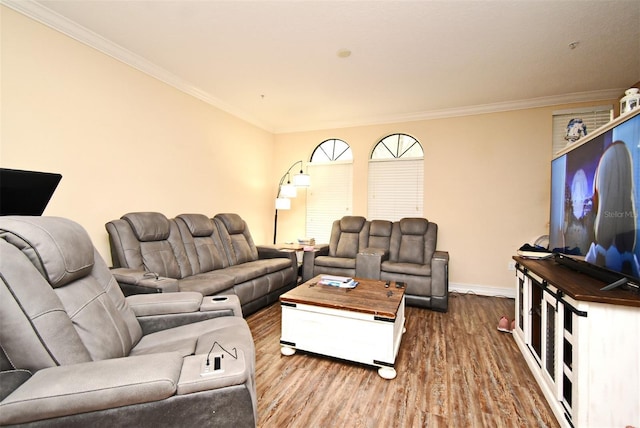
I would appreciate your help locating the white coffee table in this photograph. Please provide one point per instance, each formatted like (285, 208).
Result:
(364, 324)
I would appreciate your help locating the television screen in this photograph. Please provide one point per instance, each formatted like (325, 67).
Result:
(595, 192)
(26, 192)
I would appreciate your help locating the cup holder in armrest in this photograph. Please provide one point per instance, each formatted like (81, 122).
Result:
(221, 302)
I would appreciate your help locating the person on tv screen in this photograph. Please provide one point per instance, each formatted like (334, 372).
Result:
(615, 225)
(579, 214)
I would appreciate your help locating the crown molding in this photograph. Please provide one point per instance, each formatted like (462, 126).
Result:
(571, 98)
(46, 16)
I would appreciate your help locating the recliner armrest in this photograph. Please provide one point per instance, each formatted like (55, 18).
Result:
(368, 262)
(371, 251)
(440, 273)
(440, 257)
(162, 311)
(10, 380)
(79, 388)
(233, 371)
(222, 302)
(271, 252)
(139, 278)
(308, 260)
(164, 303)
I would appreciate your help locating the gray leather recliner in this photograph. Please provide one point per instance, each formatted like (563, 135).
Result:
(76, 352)
(413, 259)
(349, 236)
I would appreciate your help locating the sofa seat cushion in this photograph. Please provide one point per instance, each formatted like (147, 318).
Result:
(415, 285)
(406, 268)
(275, 264)
(258, 268)
(336, 262)
(207, 284)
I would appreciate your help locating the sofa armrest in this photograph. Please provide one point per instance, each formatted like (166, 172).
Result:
(222, 303)
(271, 252)
(440, 274)
(10, 380)
(79, 388)
(195, 377)
(156, 312)
(143, 282)
(368, 262)
(308, 260)
(165, 303)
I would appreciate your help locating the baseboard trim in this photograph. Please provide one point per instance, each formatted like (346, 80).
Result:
(482, 290)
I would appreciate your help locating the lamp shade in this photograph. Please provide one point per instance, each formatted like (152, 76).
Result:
(288, 191)
(283, 204)
(302, 180)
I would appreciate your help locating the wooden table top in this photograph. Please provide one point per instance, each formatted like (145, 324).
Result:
(577, 285)
(370, 296)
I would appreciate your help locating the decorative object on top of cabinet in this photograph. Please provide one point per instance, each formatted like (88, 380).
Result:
(630, 101)
(572, 124)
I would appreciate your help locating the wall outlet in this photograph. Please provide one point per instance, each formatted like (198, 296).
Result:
(511, 265)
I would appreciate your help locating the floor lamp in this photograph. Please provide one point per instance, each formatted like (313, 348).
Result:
(288, 191)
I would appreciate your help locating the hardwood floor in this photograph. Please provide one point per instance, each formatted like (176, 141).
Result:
(454, 370)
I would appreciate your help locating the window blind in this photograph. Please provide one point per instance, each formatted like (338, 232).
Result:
(328, 198)
(592, 117)
(396, 189)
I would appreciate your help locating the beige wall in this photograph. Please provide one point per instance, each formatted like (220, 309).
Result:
(487, 181)
(122, 140)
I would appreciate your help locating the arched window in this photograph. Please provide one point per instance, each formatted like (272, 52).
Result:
(330, 194)
(397, 146)
(396, 178)
(332, 150)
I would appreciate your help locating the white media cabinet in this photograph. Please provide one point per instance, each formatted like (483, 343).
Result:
(582, 344)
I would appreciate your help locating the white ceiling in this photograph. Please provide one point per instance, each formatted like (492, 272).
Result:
(275, 63)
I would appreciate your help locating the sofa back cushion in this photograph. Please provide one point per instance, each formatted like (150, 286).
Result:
(36, 330)
(380, 234)
(413, 240)
(149, 241)
(62, 302)
(349, 235)
(202, 242)
(236, 238)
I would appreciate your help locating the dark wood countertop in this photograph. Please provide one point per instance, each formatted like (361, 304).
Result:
(578, 286)
(370, 296)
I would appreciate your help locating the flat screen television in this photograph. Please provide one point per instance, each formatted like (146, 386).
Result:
(595, 197)
(26, 192)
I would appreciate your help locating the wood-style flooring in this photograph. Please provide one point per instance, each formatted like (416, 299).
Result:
(454, 370)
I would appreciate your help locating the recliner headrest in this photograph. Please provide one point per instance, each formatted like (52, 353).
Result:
(233, 222)
(148, 226)
(58, 247)
(198, 224)
(414, 226)
(352, 224)
(380, 228)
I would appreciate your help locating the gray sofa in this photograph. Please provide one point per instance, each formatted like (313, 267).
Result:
(151, 253)
(75, 352)
(403, 251)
